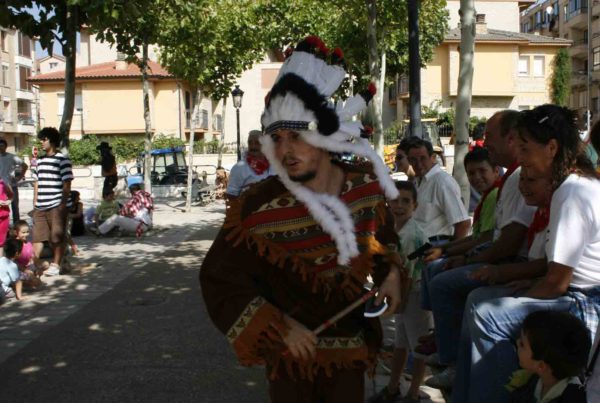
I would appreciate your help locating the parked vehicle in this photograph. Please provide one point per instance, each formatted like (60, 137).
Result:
(168, 167)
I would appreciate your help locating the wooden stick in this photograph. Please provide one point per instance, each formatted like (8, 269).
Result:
(331, 321)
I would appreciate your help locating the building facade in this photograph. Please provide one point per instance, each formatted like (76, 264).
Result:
(511, 70)
(18, 109)
(109, 102)
(502, 14)
(572, 19)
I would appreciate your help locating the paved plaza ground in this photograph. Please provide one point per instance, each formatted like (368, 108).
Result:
(129, 324)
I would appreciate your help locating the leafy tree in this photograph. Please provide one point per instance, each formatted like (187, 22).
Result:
(347, 24)
(210, 44)
(58, 21)
(560, 85)
(133, 26)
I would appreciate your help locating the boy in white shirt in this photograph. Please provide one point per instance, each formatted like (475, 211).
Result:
(413, 321)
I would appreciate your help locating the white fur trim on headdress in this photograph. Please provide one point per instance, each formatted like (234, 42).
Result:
(301, 102)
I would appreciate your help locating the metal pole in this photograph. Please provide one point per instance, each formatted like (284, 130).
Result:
(239, 152)
(414, 69)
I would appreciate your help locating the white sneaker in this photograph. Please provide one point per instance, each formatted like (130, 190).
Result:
(53, 270)
(443, 380)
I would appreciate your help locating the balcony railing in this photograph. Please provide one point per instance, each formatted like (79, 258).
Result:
(579, 42)
(574, 13)
(25, 119)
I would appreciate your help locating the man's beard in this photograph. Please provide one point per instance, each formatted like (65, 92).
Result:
(305, 177)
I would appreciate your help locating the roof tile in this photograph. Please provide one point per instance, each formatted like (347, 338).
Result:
(105, 71)
(496, 35)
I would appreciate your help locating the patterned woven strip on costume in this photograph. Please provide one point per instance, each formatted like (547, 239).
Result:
(259, 327)
(283, 228)
(287, 124)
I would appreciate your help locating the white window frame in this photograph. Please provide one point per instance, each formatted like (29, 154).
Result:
(520, 72)
(5, 76)
(60, 97)
(541, 73)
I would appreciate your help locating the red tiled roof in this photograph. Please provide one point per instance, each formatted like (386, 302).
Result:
(105, 71)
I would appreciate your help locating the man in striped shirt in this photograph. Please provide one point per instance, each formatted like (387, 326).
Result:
(52, 188)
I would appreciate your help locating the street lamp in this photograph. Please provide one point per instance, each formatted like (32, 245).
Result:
(237, 96)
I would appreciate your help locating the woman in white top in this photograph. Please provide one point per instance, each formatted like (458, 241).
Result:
(549, 145)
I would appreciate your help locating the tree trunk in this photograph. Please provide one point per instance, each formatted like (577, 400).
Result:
(190, 178)
(376, 76)
(463, 99)
(147, 122)
(70, 53)
(222, 137)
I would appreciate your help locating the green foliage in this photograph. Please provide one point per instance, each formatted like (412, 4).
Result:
(163, 141)
(206, 147)
(474, 121)
(429, 113)
(210, 44)
(344, 24)
(83, 152)
(126, 149)
(446, 119)
(54, 21)
(560, 84)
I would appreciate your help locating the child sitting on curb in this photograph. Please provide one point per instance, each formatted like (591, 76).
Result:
(10, 281)
(26, 263)
(413, 321)
(553, 351)
(107, 207)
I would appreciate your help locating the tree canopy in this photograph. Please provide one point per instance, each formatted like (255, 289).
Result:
(344, 24)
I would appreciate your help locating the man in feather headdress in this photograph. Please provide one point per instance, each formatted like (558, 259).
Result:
(296, 248)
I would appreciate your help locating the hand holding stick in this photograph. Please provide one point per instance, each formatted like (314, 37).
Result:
(331, 321)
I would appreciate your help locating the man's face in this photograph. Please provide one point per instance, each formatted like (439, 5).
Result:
(254, 147)
(46, 146)
(300, 159)
(497, 144)
(481, 175)
(2, 148)
(420, 160)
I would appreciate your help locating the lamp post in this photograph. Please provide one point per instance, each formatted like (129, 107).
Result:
(237, 94)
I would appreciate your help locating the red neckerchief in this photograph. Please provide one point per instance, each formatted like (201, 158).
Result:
(485, 194)
(539, 223)
(258, 164)
(512, 168)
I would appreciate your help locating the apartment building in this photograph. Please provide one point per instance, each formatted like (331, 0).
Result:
(571, 19)
(109, 102)
(502, 14)
(512, 70)
(17, 99)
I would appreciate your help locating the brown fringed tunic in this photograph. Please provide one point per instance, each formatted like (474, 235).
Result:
(271, 257)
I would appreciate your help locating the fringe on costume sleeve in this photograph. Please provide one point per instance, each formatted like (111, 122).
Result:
(254, 327)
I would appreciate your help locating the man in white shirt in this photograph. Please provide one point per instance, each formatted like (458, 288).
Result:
(253, 168)
(448, 290)
(441, 211)
(12, 170)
